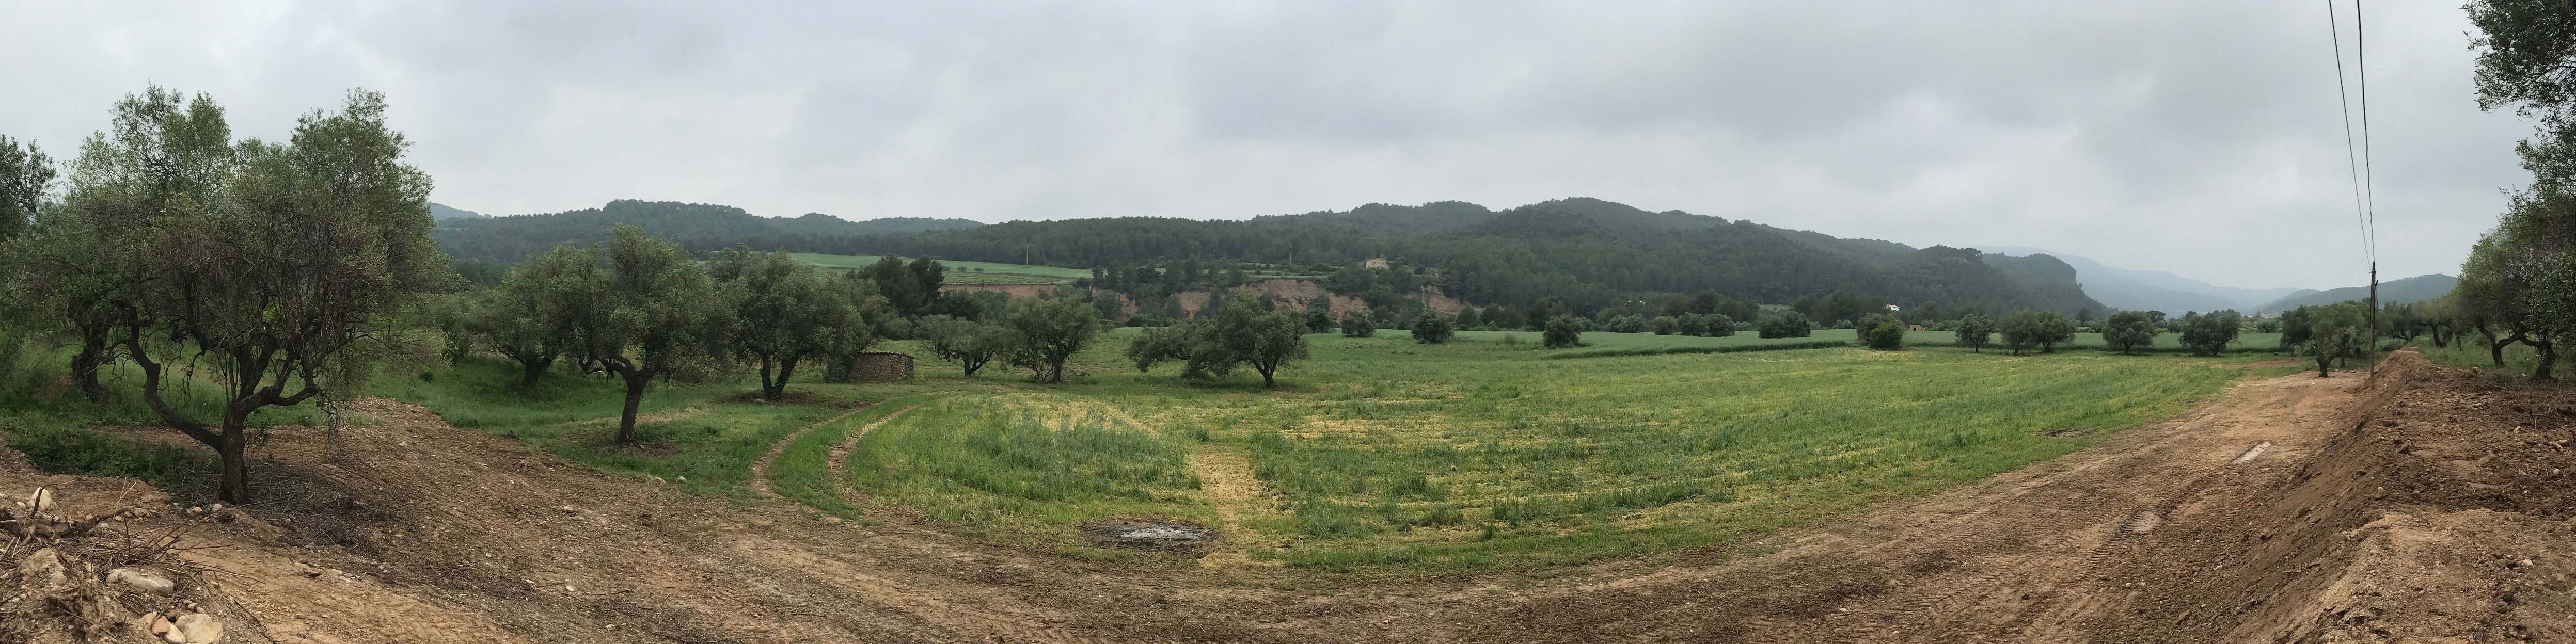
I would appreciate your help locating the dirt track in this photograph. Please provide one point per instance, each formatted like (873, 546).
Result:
(2169, 532)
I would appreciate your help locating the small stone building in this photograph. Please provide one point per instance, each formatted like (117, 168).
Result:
(872, 366)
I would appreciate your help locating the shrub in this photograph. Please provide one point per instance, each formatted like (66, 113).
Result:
(1355, 325)
(1664, 325)
(1562, 331)
(1887, 336)
(1720, 326)
(1692, 324)
(1786, 324)
(1627, 324)
(1430, 328)
(2042, 329)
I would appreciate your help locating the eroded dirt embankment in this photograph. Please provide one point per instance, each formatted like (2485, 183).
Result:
(2431, 507)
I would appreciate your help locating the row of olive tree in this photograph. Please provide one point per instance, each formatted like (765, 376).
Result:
(1242, 332)
(2518, 284)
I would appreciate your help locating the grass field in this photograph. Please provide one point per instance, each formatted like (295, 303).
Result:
(1378, 454)
(962, 272)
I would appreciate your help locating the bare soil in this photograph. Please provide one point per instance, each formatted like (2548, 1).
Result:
(2431, 507)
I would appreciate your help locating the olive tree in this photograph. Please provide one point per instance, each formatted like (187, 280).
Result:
(2129, 331)
(650, 313)
(2209, 333)
(2024, 330)
(1050, 331)
(1975, 331)
(784, 313)
(269, 266)
(967, 343)
(527, 318)
(1355, 325)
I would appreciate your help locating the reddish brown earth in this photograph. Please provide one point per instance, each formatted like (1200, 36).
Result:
(2430, 508)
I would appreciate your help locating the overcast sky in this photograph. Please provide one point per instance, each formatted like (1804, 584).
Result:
(2198, 138)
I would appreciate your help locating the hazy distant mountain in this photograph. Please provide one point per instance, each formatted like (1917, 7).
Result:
(441, 212)
(2138, 290)
(2413, 289)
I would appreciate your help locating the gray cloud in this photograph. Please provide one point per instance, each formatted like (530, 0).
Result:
(2196, 137)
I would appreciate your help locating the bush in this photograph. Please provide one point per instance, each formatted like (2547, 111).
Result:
(1664, 325)
(1626, 324)
(1430, 328)
(1720, 326)
(1355, 325)
(1562, 331)
(1887, 336)
(1786, 324)
(1691, 324)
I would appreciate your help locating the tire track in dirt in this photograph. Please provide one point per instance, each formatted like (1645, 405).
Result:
(760, 468)
(839, 459)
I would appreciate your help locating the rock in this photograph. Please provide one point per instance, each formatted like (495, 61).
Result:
(157, 625)
(43, 570)
(42, 500)
(566, 509)
(683, 480)
(195, 629)
(142, 581)
(831, 520)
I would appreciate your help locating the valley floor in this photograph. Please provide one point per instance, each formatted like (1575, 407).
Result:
(2429, 507)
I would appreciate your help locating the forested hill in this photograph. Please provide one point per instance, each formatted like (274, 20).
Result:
(699, 227)
(2419, 288)
(1585, 253)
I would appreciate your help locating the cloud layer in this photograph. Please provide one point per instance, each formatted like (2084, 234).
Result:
(2197, 137)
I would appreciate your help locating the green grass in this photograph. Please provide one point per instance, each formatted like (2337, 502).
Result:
(1487, 454)
(1484, 454)
(1042, 463)
(963, 272)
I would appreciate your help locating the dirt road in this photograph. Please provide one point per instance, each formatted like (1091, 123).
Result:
(2234, 522)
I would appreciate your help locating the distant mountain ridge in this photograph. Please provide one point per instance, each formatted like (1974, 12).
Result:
(2419, 288)
(2142, 290)
(441, 212)
(698, 227)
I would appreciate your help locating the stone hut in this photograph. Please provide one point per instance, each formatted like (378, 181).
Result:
(872, 366)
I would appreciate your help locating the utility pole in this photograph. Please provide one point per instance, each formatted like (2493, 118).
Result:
(2371, 353)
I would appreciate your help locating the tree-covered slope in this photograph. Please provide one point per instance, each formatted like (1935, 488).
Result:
(2419, 288)
(698, 227)
(1586, 253)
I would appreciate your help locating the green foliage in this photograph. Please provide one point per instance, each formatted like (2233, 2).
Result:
(2208, 334)
(26, 176)
(2129, 331)
(2331, 332)
(650, 313)
(970, 344)
(1664, 325)
(1881, 333)
(1562, 331)
(2044, 330)
(271, 261)
(783, 313)
(1238, 332)
(1355, 325)
(1430, 328)
(1974, 331)
(1050, 331)
(1785, 324)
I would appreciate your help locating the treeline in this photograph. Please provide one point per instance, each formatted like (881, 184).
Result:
(698, 228)
(1577, 255)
